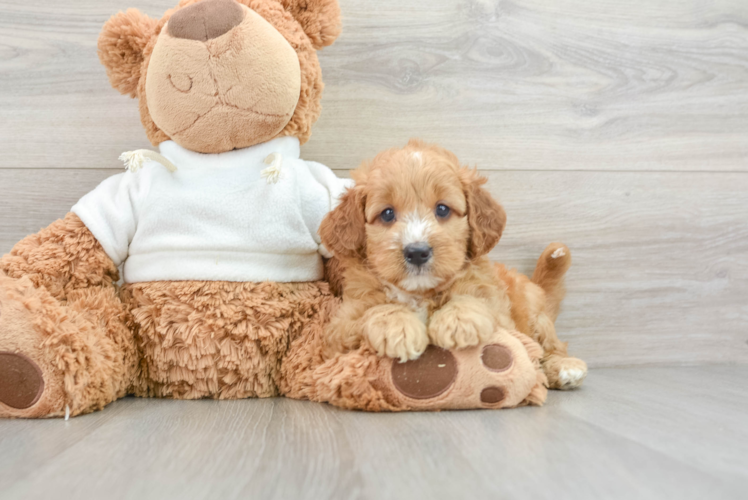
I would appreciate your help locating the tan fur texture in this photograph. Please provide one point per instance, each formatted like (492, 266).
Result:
(68, 318)
(400, 310)
(359, 379)
(62, 257)
(549, 275)
(59, 306)
(230, 92)
(219, 340)
(334, 275)
(459, 298)
(216, 107)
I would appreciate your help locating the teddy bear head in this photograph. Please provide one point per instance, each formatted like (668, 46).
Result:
(217, 75)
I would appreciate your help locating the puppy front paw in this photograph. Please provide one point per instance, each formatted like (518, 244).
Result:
(396, 332)
(461, 323)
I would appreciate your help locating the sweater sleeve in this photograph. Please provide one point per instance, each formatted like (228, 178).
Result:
(111, 211)
(317, 203)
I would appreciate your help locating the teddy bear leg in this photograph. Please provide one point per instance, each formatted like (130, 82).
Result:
(60, 359)
(503, 372)
(214, 339)
(64, 344)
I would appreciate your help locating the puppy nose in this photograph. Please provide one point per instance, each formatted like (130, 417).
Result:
(205, 20)
(417, 253)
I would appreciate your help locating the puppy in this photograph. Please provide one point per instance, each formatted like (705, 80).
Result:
(412, 238)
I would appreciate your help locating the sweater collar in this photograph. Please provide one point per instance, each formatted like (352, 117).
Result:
(288, 147)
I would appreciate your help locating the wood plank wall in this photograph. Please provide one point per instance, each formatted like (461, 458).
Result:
(620, 128)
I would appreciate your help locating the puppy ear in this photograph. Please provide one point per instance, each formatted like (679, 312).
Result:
(343, 231)
(320, 19)
(486, 217)
(121, 44)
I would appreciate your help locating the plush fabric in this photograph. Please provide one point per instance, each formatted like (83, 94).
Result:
(76, 341)
(206, 20)
(230, 92)
(129, 41)
(60, 307)
(221, 340)
(216, 217)
(361, 380)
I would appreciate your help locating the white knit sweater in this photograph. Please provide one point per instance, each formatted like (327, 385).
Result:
(218, 217)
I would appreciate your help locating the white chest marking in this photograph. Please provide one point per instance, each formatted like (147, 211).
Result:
(414, 302)
(420, 282)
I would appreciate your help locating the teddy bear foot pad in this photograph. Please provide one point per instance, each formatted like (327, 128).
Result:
(435, 372)
(499, 374)
(21, 381)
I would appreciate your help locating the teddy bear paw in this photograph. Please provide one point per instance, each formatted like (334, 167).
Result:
(495, 374)
(29, 386)
(21, 381)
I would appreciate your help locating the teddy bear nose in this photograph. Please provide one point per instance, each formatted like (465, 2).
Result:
(205, 20)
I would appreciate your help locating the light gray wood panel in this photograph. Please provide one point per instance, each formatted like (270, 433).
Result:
(659, 272)
(703, 425)
(629, 433)
(25, 445)
(32, 199)
(525, 84)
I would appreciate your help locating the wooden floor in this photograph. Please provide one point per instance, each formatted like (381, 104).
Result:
(630, 433)
(620, 128)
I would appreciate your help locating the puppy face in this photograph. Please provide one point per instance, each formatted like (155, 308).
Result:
(415, 216)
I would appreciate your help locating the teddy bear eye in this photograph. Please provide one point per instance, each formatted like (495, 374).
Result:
(387, 215)
(442, 211)
(182, 83)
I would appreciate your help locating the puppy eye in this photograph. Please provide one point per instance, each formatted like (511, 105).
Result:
(387, 215)
(442, 211)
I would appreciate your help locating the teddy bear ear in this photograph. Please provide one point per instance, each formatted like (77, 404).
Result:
(320, 19)
(121, 44)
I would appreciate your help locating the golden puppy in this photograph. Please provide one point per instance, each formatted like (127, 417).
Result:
(412, 237)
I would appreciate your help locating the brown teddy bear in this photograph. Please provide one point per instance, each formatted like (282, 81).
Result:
(216, 236)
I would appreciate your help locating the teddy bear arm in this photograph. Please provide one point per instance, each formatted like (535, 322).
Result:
(62, 257)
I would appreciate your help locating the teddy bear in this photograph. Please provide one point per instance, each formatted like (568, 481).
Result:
(199, 271)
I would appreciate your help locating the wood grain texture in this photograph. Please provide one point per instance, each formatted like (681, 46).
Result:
(659, 273)
(645, 433)
(524, 84)
(618, 128)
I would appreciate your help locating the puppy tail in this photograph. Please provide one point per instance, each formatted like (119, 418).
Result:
(549, 275)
